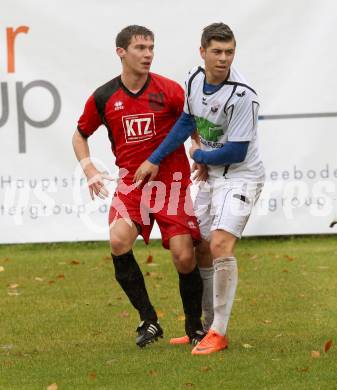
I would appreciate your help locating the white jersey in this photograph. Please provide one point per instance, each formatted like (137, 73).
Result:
(230, 113)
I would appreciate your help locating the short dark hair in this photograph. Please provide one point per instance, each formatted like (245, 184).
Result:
(218, 32)
(124, 37)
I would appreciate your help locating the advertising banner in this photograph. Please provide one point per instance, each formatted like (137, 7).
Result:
(54, 54)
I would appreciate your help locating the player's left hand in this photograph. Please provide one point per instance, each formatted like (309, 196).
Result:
(144, 170)
(200, 172)
(193, 148)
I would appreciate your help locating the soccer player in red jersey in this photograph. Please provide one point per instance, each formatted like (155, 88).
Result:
(138, 109)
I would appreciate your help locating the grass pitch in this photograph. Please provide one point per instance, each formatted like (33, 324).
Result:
(65, 323)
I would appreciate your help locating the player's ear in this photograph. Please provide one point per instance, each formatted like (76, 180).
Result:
(202, 52)
(120, 52)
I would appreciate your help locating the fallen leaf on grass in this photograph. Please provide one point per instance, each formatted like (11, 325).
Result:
(6, 346)
(53, 386)
(267, 321)
(285, 270)
(13, 293)
(2, 268)
(60, 276)
(205, 368)
(188, 384)
(8, 363)
(51, 281)
(39, 279)
(154, 275)
(290, 258)
(153, 373)
(75, 262)
(92, 375)
(160, 314)
(247, 346)
(124, 314)
(253, 257)
(181, 318)
(304, 369)
(278, 335)
(13, 285)
(149, 259)
(327, 345)
(315, 354)
(107, 258)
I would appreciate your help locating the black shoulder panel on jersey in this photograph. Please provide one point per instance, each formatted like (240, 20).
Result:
(241, 85)
(101, 96)
(192, 78)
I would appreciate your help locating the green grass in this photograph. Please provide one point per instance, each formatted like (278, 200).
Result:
(67, 321)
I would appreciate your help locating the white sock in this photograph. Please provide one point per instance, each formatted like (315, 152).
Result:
(207, 296)
(225, 282)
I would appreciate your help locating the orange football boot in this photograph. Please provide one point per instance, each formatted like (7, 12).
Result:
(180, 340)
(212, 342)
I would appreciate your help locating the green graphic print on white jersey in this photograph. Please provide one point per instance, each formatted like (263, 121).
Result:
(207, 130)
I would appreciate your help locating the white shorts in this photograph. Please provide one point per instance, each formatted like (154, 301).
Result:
(222, 204)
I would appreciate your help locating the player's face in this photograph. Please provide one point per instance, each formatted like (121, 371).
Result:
(138, 56)
(218, 57)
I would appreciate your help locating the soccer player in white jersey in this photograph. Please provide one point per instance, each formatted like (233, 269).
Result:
(223, 108)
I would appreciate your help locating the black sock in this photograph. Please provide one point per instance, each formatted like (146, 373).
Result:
(130, 278)
(190, 286)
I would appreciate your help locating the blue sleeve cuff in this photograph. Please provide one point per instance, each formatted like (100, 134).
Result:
(230, 153)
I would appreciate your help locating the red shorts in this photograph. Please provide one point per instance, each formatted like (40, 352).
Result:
(170, 205)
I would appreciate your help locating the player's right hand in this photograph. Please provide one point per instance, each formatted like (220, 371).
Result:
(200, 172)
(96, 185)
(144, 170)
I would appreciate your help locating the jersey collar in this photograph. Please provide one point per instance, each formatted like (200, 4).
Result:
(128, 92)
(219, 86)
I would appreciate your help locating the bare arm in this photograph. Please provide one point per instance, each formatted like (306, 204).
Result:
(200, 170)
(94, 176)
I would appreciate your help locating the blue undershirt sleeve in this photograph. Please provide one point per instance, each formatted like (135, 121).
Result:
(230, 153)
(182, 129)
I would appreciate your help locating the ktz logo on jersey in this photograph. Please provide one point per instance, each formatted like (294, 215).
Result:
(119, 105)
(139, 127)
(156, 101)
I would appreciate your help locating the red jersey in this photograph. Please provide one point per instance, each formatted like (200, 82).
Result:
(137, 123)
